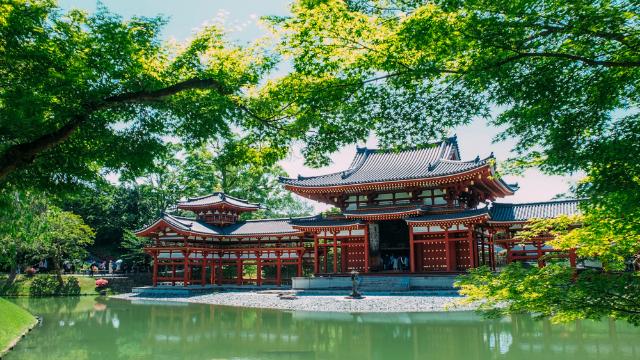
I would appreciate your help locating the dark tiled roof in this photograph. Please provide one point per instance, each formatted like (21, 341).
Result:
(384, 210)
(249, 227)
(449, 216)
(215, 199)
(371, 165)
(319, 221)
(525, 211)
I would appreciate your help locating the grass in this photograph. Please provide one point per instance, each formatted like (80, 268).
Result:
(23, 283)
(14, 321)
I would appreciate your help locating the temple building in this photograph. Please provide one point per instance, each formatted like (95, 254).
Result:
(419, 211)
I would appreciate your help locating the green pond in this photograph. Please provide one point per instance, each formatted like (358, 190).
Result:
(98, 328)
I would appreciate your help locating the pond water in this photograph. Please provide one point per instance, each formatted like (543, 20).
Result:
(98, 328)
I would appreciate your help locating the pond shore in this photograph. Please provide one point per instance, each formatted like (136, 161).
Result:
(320, 303)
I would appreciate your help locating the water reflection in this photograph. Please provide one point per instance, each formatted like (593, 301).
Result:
(84, 328)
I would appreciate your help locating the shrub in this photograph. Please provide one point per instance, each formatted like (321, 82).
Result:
(71, 287)
(44, 285)
(102, 283)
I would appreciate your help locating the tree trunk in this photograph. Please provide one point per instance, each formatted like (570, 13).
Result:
(13, 273)
(58, 271)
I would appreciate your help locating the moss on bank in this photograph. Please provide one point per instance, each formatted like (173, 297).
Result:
(14, 321)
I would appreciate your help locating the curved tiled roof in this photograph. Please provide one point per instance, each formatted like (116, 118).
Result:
(215, 199)
(320, 221)
(378, 210)
(501, 212)
(249, 227)
(374, 165)
(449, 216)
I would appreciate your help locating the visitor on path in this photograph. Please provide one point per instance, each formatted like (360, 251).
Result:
(119, 265)
(110, 267)
(395, 262)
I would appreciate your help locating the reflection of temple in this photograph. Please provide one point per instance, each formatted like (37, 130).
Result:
(196, 331)
(416, 211)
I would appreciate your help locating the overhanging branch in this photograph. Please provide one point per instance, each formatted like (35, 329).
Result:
(23, 154)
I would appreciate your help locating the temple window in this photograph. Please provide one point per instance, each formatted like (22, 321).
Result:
(433, 197)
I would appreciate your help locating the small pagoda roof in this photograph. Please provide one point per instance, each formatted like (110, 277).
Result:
(217, 199)
(503, 212)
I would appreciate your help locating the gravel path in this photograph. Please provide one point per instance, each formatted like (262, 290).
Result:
(376, 303)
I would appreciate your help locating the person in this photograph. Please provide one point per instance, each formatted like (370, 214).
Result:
(92, 269)
(118, 265)
(110, 267)
(394, 259)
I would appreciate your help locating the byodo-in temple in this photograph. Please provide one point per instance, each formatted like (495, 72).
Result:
(420, 211)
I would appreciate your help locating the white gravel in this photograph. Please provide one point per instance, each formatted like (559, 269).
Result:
(328, 303)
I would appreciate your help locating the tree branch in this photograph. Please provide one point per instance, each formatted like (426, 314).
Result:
(20, 155)
(578, 58)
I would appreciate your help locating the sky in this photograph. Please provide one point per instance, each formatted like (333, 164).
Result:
(241, 19)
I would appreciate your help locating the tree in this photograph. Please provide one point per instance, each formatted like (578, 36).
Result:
(32, 229)
(240, 169)
(564, 75)
(64, 238)
(82, 95)
(21, 220)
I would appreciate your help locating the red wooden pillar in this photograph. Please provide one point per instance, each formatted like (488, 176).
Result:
(278, 269)
(239, 269)
(213, 270)
(326, 256)
(173, 269)
(155, 268)
(300, 258)
(492, 250)
(472, 253)
(259, 267)
(335, 251)
(316, 264)
(412, 251)
(220, 278)
(344, 252)
(540, 254)
(185, 272)
(573, 260)
(203, 272)
(366, 248)
(450, 248)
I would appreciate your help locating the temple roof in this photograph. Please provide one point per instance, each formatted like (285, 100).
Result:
(460, 215)
(217, 199)
(501, 212)
(375, 165)
(370, 166)
(320, 221)
(385, 212)
(249, 227)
